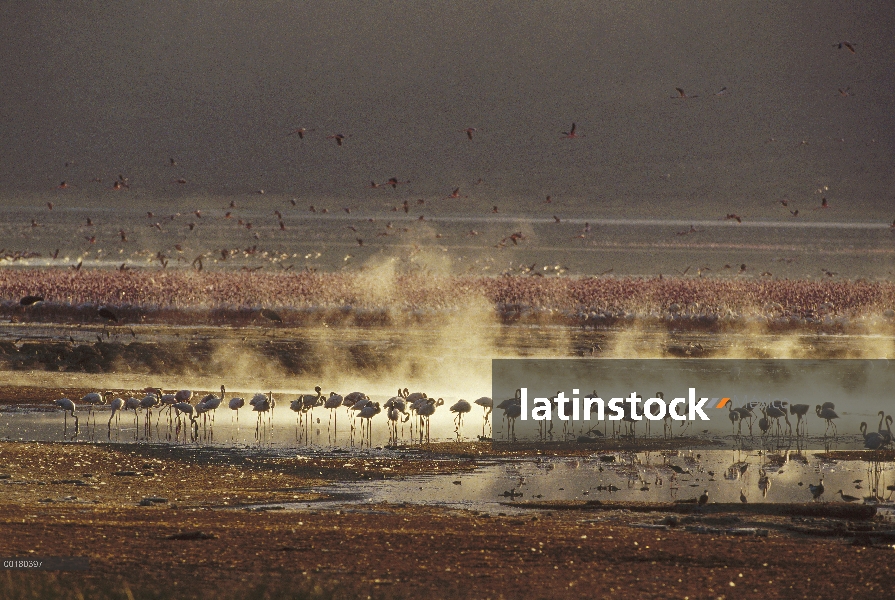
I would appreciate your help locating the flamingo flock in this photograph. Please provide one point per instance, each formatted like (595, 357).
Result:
(413, 412)
(184, 416)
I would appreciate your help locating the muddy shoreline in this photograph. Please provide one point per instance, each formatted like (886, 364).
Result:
(386, 550)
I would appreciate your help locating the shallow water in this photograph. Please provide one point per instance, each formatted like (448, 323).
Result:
(494, 487)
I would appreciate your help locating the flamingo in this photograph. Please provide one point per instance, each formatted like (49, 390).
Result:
(426, 411)
(117, 404)
(570, 134)
(368, 412)
(333, 403)
(776, 412)
(167, 401)
(235, 404)
(210, 403)
(799, 410)
(872, 440)
(95, 398)
(764, 423)
(886, 434)
(149, 401)
(511, 413)
(263, 404)
(309, 402)
(396, 406)
(488, 405)
(828, 414)
(733, 415)
(461, 407)
(68, 407)
(187, 409)
(133, 404)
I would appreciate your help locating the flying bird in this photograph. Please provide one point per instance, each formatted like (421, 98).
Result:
(301, 131)
(682, 94)
(469, 131)
(847, 45)
(338, 137)
(570, 134)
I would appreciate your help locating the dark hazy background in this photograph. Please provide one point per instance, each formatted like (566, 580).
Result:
(119, 87)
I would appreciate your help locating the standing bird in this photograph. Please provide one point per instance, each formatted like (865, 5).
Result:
(886, 434)
(799, 410)
(332, 404)
(95, 398)
(743, 498)
(209, 404)
(828, 414)
(263, 404)
(488, 405)
(149, 401)
(461, 407)
(733, 415)
(235, 404)
(368, 412)
(117, 404)
(68, 407)
(704, 499)
(847, 498)
(872, 440)
(187, 409)
(817, 490)
(426, 411)
(134, 404)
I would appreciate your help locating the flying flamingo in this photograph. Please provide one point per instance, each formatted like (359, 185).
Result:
(570, 134)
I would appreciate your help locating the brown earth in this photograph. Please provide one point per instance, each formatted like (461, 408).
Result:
(382, 550)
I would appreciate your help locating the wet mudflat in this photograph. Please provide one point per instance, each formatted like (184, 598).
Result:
(387, 549)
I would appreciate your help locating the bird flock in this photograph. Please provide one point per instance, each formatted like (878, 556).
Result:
(188, 222)
(183, 415)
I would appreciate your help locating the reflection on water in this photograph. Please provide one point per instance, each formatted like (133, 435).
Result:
(642, 477)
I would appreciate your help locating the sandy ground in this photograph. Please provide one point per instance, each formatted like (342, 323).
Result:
(65, 499)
